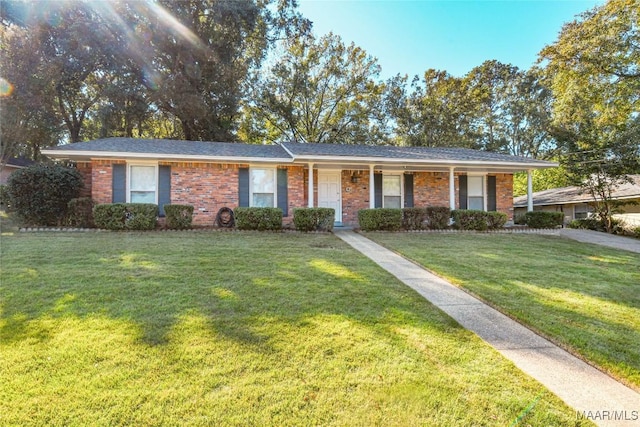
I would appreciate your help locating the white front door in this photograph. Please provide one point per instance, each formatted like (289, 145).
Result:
(330, 192)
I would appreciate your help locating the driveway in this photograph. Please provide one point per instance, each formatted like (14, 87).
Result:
(604, 239)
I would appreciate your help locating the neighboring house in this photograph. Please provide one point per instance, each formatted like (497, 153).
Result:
(348, 178)
(577, 204)
(13, 165)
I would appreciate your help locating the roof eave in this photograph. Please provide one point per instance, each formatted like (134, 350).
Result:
(418, 162)
(88, 155)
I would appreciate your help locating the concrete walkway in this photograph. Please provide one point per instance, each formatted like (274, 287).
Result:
(604, 239)
(581, 386)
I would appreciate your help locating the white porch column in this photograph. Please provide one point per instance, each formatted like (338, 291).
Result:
(372, 190)
(529, 191)
(452, 189)
(310, 190)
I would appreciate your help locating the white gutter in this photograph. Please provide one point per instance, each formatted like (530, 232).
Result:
(426, 162)
(64, 154)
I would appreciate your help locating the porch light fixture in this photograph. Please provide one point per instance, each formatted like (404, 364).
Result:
(355, 178)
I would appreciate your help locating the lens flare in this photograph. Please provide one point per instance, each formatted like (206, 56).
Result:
(6, 88)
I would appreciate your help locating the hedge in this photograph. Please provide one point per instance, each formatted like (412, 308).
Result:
(39, 194)
(314, 219)
(496, 220)
(414, 218)
(380, 219)
(438, 217)
(80, 212)
(541, 219)
(258, 218)
(178, 217)
(469, 219)
(126, 216)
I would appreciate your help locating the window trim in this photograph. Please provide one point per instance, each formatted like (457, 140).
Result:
(129, 175)
(275, 184)
(399, 175)
(483, 186)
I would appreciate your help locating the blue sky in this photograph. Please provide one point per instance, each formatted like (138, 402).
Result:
(409, 37)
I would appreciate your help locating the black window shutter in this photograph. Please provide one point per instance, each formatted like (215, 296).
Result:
(283, 198)
(118, 183)
(492, 204)
(408, 190)
(377, 190)
(164, 187)
(462, 192)
(243, 187)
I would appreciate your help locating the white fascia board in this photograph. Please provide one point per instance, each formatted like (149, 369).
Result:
(88, 155)
(520, 166)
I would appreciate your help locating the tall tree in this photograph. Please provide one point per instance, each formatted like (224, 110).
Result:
(320, 90)
(203, 54)
(436, 113)
(28, 119)
(512, 109)
(594, 67)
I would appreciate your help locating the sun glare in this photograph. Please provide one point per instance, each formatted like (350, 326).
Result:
(6, 88)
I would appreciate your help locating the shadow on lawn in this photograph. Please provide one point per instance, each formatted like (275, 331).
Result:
(233, 285)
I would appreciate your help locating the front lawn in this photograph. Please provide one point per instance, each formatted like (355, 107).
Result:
(215, 328)
(584, 297)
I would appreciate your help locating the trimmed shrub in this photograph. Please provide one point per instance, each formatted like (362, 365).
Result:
(380, 219)
(314, 219)
(80, 212)
(258, 219)
(596, 224)
(520, 219)
(469, 219)
(39, 194)
(126, 216)
(541, 219)
(496, 220)
(4, 196)
(438, 217)
(179, 217)
(414, 218)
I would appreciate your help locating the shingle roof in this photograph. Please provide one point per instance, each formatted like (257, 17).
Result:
(563, 195)
(409, 153)
(289, 152)
(19, 162)
(177, 147)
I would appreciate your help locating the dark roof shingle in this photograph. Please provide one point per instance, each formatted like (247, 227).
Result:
(563, 195)
(177, 147)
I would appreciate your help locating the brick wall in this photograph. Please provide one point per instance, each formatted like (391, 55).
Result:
(209, 187)
(101, 180)
(355, 196)
(504, 194)
(206, 186)
(85, 171)
(430, 189)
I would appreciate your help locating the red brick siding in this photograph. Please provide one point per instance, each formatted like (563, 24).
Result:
(85, 171)
(206, 186)
(504, 194)
(355, 196)
(209, 187)
(430, 189)
(101, 180)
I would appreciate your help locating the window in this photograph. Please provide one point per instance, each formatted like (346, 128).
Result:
(391, 191)
(475, 192)
(263, 188)
(143, 183)
(582, 211)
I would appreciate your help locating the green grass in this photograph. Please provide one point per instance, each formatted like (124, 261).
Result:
(235, 328)
(584, 297)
